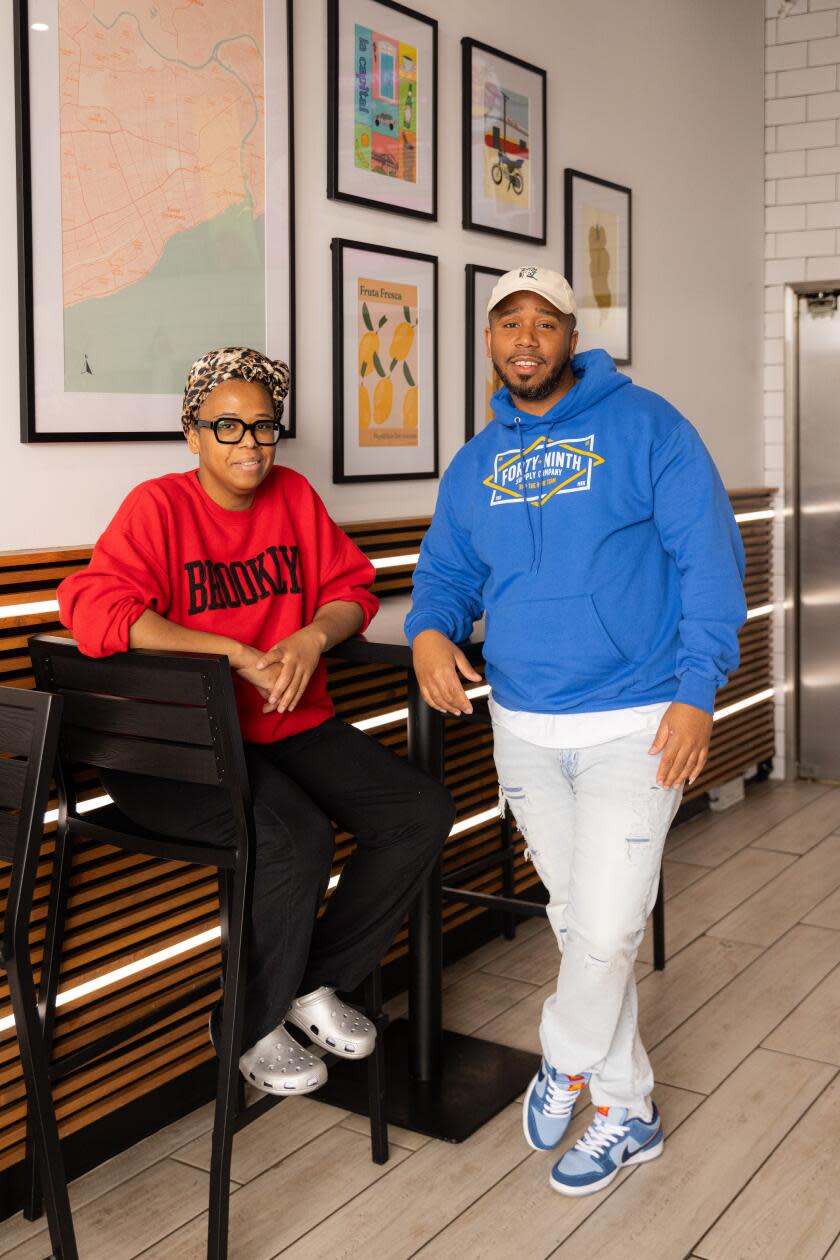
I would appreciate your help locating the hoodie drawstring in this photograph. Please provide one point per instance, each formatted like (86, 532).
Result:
(545, 446)
(536, 536)
(524, 491)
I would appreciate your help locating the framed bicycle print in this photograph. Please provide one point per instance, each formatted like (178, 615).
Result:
(482, 379)
(385, 391)
(155, 206)
(599, 261)
(504, 143)
(382, 106)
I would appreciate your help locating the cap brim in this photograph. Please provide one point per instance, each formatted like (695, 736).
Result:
(530, 288)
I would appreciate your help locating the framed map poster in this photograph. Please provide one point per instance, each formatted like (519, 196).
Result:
(482, 379)
(503, 120)
(385, 391)
(382, 107)
(155, 195)
(598, 261)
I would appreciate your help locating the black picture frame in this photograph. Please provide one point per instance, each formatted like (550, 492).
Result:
(338, 10)
(574, 275)
(471, 349)
(340, 246)
(469, 220)
(29, 430)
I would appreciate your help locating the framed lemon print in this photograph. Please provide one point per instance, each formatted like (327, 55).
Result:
(385, 393)
(598, 261)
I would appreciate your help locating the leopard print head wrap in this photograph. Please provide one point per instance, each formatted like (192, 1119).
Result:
(233, 363)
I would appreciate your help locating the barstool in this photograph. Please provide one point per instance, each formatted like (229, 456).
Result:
(172, 716)
(29, 724)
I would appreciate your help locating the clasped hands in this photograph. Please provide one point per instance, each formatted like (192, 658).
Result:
(682, 738)
(282, 673)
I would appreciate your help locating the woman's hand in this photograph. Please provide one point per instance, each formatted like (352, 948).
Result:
(683, 739)
(282, 674)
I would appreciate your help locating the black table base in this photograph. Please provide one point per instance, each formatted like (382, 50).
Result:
(479, 1080)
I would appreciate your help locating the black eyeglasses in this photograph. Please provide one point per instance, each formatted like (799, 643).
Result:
(230, 430)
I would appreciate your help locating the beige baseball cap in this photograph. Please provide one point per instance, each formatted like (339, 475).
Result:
(549, 284)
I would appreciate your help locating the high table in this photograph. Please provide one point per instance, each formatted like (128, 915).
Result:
(440, 1083)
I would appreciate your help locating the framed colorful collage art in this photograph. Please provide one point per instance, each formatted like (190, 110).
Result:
(382, 139)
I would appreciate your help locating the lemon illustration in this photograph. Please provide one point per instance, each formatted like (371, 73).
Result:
(364, 407)
(383, 399)
(368, 347)
(410, 408)
(401, 341)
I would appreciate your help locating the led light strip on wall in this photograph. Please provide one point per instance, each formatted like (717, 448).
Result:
(747, 703)
(766, 514)
(395, 562)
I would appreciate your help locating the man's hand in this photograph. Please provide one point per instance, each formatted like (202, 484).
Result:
(437, 663)
(282, 673)
(684, 735)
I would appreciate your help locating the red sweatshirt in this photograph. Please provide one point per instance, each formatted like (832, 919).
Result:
(255, 576)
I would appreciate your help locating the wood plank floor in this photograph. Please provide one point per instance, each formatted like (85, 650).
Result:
(743, 1028)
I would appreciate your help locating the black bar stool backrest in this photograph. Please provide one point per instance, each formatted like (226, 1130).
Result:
(167, 715)
(28, 733)
(29, 726)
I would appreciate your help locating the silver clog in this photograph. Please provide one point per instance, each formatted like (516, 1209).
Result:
(333, 1024)
(278, 1065)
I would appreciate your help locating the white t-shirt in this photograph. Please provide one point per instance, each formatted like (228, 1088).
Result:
(578, 730)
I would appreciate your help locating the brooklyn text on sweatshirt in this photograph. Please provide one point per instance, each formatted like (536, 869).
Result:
(212, 585)
(600, 543)
(255, 576)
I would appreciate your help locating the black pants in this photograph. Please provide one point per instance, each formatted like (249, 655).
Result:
(399, 816)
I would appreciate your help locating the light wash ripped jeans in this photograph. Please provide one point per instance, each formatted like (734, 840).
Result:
(595, 824)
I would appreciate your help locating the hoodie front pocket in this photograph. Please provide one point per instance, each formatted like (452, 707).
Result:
(552, 647)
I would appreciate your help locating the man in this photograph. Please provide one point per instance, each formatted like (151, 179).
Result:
(590, 524)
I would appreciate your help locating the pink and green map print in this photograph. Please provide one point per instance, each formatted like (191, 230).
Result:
(162, 118)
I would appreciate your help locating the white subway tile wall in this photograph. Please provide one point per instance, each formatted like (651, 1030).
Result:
(802, 224)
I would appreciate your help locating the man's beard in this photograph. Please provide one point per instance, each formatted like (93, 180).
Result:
(538, 391)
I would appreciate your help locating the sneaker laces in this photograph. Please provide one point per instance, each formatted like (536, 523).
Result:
(559, 1101)
(600, 1135)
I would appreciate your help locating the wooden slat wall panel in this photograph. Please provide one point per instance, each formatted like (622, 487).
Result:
(126, 907)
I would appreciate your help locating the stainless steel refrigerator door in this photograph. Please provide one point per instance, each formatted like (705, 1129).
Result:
(819, 542)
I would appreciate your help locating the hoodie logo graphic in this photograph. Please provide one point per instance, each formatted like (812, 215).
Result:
(543, 469)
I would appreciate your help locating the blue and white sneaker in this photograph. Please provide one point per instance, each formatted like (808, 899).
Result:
(611, 1142)
(548, 1106)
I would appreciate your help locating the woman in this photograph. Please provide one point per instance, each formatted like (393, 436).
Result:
(240, 557)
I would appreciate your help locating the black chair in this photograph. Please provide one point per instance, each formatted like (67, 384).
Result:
(28, 736)
(516, 907)
(172, 716)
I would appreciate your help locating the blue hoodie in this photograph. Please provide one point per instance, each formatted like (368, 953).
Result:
(601, 544)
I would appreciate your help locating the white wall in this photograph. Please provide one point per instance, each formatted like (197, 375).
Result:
(662, 95)
(802, 221)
